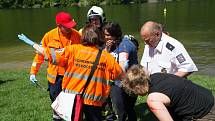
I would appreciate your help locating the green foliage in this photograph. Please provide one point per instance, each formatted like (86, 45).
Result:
(113, 1)
(90, 2)
(94, 2)
(59, 3)
(6, 3)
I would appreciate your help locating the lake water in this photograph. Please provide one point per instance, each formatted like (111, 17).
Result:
(192, 22)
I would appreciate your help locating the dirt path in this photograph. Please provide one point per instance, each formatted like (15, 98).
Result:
(15, 65)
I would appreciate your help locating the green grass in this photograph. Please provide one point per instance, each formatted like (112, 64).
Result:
(22, 101)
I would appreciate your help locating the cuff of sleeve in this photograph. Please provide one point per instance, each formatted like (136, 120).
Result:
(192, 69)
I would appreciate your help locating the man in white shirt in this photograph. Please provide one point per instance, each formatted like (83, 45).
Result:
(163, 53)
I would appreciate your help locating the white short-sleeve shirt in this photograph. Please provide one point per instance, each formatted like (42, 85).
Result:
(169, 56)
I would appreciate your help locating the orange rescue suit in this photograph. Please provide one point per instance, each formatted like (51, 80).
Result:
(56, 41)
(79, 60)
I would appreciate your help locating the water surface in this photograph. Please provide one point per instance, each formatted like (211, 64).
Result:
(191, 22)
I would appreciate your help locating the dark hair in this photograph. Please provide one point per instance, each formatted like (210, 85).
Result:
(113, 29)
(91, 35)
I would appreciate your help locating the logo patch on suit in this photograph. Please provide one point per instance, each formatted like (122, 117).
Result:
(169, 46)
(180, 58)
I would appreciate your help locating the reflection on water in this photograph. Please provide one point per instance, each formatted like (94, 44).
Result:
(205, 58)
(190, 22)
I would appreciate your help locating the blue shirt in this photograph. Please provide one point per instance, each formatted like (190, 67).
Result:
(126, 46)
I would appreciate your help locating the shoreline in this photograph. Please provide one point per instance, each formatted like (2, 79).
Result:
(26, 65)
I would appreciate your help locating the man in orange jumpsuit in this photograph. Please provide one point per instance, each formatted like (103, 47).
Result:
(56, 39)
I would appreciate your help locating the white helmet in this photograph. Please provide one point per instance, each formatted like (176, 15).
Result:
(96, 11)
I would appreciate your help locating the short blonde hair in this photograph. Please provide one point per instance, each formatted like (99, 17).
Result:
(136, 81)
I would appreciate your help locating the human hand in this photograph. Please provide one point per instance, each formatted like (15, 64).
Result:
(109, 44)
(33, 79)
(25, 39)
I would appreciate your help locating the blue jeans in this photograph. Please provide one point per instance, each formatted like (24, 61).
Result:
(123, 103)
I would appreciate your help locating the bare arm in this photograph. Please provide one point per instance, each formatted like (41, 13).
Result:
(182, 74)
(157, 103)
(123, 60)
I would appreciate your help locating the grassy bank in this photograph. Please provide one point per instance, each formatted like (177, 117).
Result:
(22, 101)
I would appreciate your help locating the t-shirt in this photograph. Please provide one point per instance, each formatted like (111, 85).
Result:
(187, 99)
(126, 46)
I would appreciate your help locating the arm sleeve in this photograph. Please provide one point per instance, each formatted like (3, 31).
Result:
(67, 54)
(39, 58)
(114, 68)
(62, 56)
(127, 53)
(125, 46)
(182, 60)
(37, 62)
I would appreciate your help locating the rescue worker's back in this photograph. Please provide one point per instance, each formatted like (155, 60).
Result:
(80, 59)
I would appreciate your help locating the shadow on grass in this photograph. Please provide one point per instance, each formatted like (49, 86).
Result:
(5, 81)
(143, 113)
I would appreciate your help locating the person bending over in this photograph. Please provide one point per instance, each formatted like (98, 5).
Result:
(170, 97)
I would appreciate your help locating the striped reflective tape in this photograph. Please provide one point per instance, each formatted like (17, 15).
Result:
(51, 76)
(87, 96)
(53, 54)
(93, 97)
(85, 77)
(45, 57)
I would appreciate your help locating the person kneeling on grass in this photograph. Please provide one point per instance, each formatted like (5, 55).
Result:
(170, 97)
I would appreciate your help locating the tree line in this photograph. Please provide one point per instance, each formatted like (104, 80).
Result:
(60, 3)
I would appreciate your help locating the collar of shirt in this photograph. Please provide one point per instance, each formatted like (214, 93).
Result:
(58, 34)
(160, 45)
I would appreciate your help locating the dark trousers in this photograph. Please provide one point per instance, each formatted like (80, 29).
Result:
(54, 90)
(209, 117)
(124, 104)
(92, 113)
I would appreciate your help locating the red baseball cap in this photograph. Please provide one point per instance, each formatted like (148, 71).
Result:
(65, 19)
